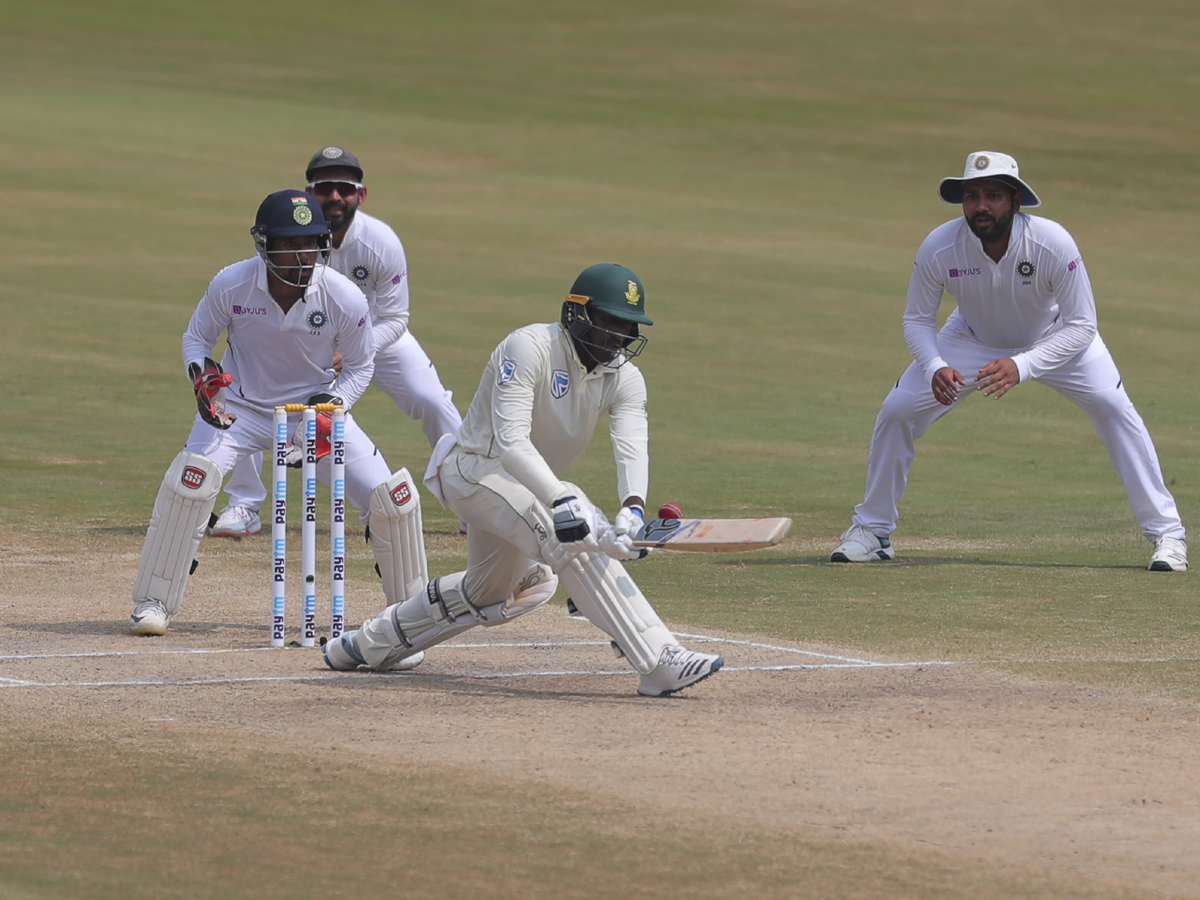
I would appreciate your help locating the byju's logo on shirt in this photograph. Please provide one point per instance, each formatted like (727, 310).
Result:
(964, 273)
(249, 310)
(560, 383)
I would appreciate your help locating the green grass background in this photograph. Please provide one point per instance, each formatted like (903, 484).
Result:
(767, 167)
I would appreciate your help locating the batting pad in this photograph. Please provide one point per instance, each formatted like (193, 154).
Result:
(181, 510)
(442, 611)
(603, 591)
(397, 537)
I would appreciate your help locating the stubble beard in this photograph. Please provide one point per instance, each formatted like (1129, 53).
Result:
(997, 230)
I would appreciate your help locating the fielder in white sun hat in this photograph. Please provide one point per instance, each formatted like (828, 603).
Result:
(989, 164)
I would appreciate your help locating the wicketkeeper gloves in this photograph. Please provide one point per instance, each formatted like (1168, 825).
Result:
(208, 381)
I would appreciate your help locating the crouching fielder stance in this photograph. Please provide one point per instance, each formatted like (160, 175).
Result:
(535, 411)
(285, 315)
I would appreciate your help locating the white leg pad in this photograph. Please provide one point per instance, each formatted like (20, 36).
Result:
(442, 611)
(181, 510)
(603, 591)
(398, 538)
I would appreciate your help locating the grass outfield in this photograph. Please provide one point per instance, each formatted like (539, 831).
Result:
(768, 169)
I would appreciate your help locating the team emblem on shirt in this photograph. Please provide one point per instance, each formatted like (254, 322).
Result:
(317, 319)
(360, 273)
(560, 382)
(508, 369)
(1026, 270)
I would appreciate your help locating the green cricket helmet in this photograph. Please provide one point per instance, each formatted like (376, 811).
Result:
(617, 292)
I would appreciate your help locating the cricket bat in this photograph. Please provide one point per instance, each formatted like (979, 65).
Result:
(713, 535)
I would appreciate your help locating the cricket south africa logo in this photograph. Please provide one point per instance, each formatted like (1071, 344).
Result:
(631, 294)
(560, 383)
(193, 478)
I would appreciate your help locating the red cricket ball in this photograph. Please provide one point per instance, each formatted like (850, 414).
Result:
(670, 511)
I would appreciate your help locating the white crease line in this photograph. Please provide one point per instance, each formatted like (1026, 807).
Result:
(186, 650)
(196, 651)
(480, 676)
(710, 639)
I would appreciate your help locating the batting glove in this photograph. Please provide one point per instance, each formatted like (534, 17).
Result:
(630, 522)
(573, 520)
(208, 381)
(619, 546)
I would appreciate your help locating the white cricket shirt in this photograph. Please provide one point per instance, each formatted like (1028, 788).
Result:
(373, 258)
(536, 409)
(1036, 303)
(277, 358)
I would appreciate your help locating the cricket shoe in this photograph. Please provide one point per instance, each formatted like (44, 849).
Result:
(342, 655)
(678, 668)
(237, 521)
(1170, 555)
(149, 618)
(860, 544)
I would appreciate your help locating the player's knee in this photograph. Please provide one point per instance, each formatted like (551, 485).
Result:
(535, 588)
(898, 406)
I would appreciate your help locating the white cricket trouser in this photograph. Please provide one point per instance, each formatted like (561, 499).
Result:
(506, 525)
(254, 432)
(405, 373)
(1090, 381)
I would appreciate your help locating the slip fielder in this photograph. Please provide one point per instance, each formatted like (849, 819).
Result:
(1025, 313)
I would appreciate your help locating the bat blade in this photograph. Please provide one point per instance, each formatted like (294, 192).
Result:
(713, 535)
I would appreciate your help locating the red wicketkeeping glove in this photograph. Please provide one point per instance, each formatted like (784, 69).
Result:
(208, 382)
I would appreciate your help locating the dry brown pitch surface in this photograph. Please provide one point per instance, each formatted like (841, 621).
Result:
(518, 762)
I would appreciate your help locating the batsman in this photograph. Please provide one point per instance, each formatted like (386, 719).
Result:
(541, 396)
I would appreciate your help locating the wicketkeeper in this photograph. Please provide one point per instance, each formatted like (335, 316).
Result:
(536, 408)
(285, 314)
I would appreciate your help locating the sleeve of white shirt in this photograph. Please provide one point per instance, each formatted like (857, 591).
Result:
(925, 289)
(1077, 311)
(210, 318)
(512, 417)
(391, 296)
(356, 340)
(629, 428)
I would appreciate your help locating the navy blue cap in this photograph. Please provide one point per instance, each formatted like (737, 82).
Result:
(288, 214)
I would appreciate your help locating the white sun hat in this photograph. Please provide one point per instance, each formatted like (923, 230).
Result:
(989, 164)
